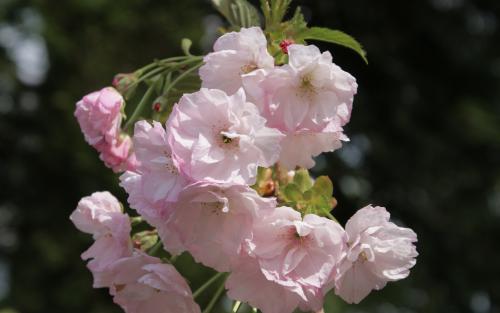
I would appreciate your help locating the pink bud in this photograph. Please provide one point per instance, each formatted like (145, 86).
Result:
(122, 81)
(284, 45)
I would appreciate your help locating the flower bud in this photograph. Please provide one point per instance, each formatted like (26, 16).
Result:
(265, 185)
(145, 240)
(284, 45)
(122, 81)
(159, 104)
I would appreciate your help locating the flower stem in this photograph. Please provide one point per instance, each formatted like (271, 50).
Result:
(162, 66)
(216, 297)
(154, 249)
(140, 107)
(236, 306)
(151, 74)
(173, 259)
(156, 63)
(207, 284)
(329, 215)
(180, 78)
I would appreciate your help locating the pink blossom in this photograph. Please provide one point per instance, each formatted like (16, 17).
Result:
(154, 212)
(99, 115)
(110, 247)
(299, 254)
(101, 216)
(151, 147)
(93, 212)
(308, 92)
(126, 270)
(213, 221)
(118, 154)
(311, 143)
(379, 251)
(156, 180)
(235, 54)
(142, 284)
(247, 283)
(309, 100)
(219, 138)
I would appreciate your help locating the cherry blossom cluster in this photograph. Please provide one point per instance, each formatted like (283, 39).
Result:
(193, 178)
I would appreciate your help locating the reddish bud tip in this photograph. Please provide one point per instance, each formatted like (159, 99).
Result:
(157, 106)
(285, 44)
(123, 81)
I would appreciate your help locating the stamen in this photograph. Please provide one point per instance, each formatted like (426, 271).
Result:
(226, 139)
(169, 165)
(214, 207)
(306, 84)
(225, 142)
(245, 69)
(362, 257)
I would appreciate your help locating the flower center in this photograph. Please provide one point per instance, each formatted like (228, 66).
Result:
(226, 139)
(362, 257)
(247, 68)
(291, 234)
(228, 143)
(215, 207)
(306, 86)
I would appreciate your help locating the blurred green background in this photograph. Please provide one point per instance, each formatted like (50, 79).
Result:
(425, 138)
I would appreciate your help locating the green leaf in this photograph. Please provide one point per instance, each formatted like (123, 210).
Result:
(186, 45)
(239, 13)
(278, 10)
(302, 180)
(334, 36)
(323, 186)
(292, 29)
(266, 10)
(298, 21)
(292, 193)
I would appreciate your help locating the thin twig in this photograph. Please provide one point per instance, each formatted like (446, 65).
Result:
(207, 284)
(236, 306)
(140, 107)
(216, 297)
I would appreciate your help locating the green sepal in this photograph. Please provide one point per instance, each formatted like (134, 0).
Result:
(292, 193)
(308, 197)
(323, 186)
(302, 179)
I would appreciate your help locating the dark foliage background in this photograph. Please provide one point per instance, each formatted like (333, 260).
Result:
(425, 138)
